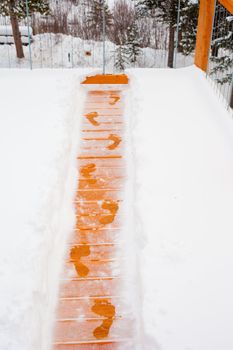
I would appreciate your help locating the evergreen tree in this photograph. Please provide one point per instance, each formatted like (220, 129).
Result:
(222, 48)
(133, 49)
(123, 18)
(188, 27)
(224, 63)
(95, 18)
(16, 10)
(121, 57)
(167, 12)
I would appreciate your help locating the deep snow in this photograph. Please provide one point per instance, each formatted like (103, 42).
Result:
(180, 142)
(183, 147)
(39, 133)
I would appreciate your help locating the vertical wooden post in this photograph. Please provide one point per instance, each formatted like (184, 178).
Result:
(204, 31)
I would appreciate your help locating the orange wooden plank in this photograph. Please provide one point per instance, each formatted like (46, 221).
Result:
(95, 236)
(91, 313)
(87, 330)
(89, 288)
(112, 345)
(74, 308)
(107, 79)
(228, 4)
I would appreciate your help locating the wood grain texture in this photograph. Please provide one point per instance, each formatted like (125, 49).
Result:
(204, 31)
(92, 313)
(228, 4)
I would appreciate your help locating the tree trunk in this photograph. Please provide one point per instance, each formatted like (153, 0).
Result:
(171, 46)
(16, 32)
(180, 37)
(231, 100)
(214, 50)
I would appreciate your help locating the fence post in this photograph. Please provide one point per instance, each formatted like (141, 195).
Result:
(177, 32)
(104, 38)
(230, 94)
(204, 33)
(29, 35)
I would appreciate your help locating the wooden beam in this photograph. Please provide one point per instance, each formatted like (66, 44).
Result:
(107, 79)
(228, 4)
(204, 31)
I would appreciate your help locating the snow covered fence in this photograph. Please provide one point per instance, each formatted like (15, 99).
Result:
(140, 36)
(220, 63)
(6, 34)
(7, 30)
(4, 40)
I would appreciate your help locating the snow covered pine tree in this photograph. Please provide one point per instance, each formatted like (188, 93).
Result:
(222, 48)
(167, 12)
(121, 57)
(188, 27)
(17, 10)
(132, 47)
(95, 18)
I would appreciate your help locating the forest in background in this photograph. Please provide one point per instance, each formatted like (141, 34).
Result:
(132, 28)
(130, 25)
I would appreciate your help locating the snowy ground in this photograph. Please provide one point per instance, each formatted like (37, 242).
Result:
(182, 153)
(38, 146)
(183, 144)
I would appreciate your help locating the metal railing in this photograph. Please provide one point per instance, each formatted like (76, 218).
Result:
(220, 64)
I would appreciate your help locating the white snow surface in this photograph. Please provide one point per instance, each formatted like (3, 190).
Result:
(182, 171)
(39, 133)
(183, 151)
(7, 30)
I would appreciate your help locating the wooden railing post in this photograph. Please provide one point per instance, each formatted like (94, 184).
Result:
(204, 31)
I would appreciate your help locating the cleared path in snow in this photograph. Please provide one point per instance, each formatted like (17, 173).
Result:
(92, 310)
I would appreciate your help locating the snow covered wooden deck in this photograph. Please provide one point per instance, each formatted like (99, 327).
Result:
(91, 311)
(166, 258)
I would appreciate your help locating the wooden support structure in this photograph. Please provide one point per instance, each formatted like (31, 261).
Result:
(228, 4)
(204, 31)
